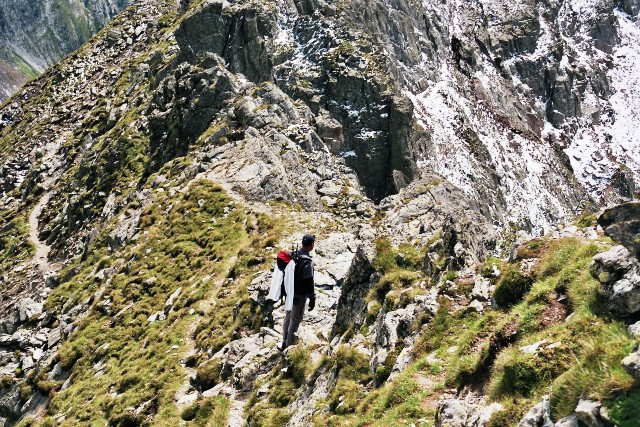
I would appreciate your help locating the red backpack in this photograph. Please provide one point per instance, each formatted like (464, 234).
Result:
(282, 260)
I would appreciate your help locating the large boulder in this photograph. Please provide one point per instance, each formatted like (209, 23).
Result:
(28, 308)
(538, 416)
(459, 413)
(619, 276)
(237, 32)
(354, 290)
(243, 360)
(10, 402)
(590, 413)
(632, 363)
(452, 413)
(622, 224)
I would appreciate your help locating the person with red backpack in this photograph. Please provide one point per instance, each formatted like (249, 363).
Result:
(303, 287)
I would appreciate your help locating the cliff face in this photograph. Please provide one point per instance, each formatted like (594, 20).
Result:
(36, 35)
(149, 178)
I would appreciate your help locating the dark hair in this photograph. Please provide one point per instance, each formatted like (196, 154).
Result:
(308, 239)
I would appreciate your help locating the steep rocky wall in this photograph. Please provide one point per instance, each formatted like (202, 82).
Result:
(514, 93)
(452, 118)
(487, 96)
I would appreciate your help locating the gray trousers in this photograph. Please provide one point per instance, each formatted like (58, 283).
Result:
(292, 320)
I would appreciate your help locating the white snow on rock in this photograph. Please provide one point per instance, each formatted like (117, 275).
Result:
(521, 164)
(597, 151)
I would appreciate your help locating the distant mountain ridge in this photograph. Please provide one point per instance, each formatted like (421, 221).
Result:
(36, 34)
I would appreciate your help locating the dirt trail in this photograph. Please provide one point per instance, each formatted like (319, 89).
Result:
(42, 249)
(236, 412)
(53, 161)
(186, 395)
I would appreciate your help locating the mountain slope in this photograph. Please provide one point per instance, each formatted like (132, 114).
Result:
(36, 35)
(149, 178)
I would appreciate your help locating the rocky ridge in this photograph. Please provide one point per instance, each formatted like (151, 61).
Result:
(307, 121)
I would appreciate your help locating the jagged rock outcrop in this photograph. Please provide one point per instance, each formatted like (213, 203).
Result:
(435, 212)
(632, 363)
(618, 270)
(237, 33)
(354, 290)
(449, 128)
(539, 415)
(622, 224)
(619, 275)
(458, 413)
(592, 413)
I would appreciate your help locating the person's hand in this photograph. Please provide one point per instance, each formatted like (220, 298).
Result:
(312, 303)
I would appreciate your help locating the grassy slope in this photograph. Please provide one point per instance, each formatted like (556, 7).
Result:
(138, 361)
(117, 359)
(581, 357)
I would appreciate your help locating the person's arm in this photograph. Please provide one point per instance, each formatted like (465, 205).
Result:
(307, 279)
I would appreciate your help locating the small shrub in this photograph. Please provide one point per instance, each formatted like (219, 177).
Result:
(511, 286)
(392, 281)
(373, 309)
(208, 374)
(436, 331)
(189, 412)
(450, 276)
(385, 260)
(585, 220)
(530, 249)
(353, 365)
(283, 392)
(128, 381)
(299, 366)
(6, 381)
(345, 397)
(510, 415)
(489, 267)
(213, 411)
(400, 391)
(518, 376)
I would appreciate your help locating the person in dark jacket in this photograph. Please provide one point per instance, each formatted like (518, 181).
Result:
(303, 290)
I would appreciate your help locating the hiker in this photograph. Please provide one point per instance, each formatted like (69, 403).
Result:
(294, 281)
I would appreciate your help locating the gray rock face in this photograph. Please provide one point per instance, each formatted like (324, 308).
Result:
(430, 209)
(632, 7)
(27, 309)
(238, 33)
(588, 412)
(570, 421)
(9, 324)
(10, 402)
(632, 363)
(623, 183)
(538, 416)
(619, 275)
(354, 290)
(635, 329)
(243, 360)
(452, 413)
(458, 413)
(622, 224)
